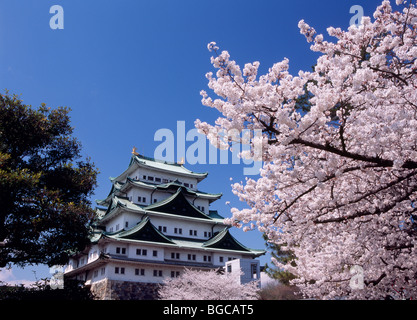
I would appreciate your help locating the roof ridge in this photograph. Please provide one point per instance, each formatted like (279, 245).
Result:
(138, 158)
(222, 235)
(173, 197)
(157, 160)
(216, 237)
(172, 183)
(138, 227)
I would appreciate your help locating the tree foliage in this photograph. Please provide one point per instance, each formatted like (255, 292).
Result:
(44, 186)
(339, 182)
(281, 254)
(41, 290)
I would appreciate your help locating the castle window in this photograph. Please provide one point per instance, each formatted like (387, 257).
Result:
(175, 255)
(150, 178)
(158, 179)
(119, 270)
(157, 273)
(139, 272)
(141, 252)
(155, 253)
(254, 271)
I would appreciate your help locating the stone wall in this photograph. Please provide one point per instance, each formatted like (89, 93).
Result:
(124, 290)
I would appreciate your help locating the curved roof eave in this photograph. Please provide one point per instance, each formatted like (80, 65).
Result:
(144, 229)
(225, 236)
(168, 167)
(178, 197)
(117, 209)
(147, 185)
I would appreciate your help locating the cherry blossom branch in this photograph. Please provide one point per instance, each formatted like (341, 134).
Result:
(409, 164)
(377, 211)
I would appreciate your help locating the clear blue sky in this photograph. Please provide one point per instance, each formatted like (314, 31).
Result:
(129, 68)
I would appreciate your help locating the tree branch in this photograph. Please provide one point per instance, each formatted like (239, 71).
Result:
(346, 154)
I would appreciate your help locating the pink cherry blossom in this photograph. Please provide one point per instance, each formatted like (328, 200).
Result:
(340, 177)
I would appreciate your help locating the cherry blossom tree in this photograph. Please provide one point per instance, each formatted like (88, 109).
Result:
(207, 285)
(339, 180)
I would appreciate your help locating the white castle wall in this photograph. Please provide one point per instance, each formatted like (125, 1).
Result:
(244, 270)
(158, 262)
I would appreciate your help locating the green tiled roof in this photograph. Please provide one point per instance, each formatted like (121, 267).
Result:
(224, 240)
(167, 166)
(179, 205)
(158, 165)
(143, 231)
(172, 185)
(116, 186)
(214, 214)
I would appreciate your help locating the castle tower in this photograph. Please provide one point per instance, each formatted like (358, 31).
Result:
(153, 223)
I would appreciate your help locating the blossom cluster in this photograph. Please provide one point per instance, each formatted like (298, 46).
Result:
(207, 285)
(339, 147)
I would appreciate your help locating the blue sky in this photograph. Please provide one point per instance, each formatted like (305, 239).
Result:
(129, 68)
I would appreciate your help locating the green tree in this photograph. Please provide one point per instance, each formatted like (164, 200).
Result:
(279, 253)
(41, 290)
(44, 185)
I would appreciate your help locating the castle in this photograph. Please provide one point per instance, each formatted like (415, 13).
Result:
(154, 223)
